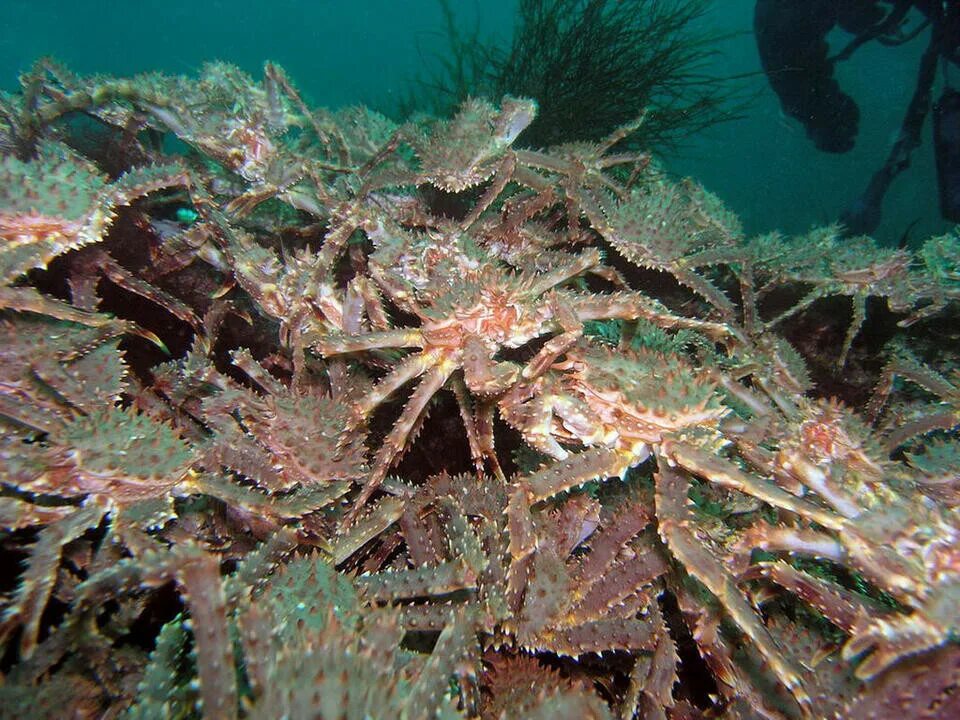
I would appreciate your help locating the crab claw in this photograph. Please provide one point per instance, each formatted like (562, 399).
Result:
(133, 329)
(890, 640)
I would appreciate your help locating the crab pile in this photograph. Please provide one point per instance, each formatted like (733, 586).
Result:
(310, 414)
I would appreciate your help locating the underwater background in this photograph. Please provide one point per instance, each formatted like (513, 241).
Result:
(371, 51)
(330, 388)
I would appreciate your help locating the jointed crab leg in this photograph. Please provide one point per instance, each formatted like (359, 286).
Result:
(556, 346)
(40, 577)
(411, 367)
(728, 476)
(631, 306)
(483, 422)
(502, 177)
(395, 441)
(26, 299)
(471, 425)
(376, 340)
(677, 528)
(545, 282)
(801, 540)
(839, 605)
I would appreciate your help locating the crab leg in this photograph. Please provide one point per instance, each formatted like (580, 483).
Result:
(732, 678)
(396, 440)
(630, 306)
(808, 542)
(836, 603)
(501, 178)
(26, 299)
(106, 325)
(96, 259)
(677, 526)
(883, 565)
(551, 279)
(41, 574)
(470, 423)
(806, 301)
(548, 481)
(577, 469)
(729, 476)
(889, 639)
(378, 340)
(859, 311)
(483, 418)
(410, 368)
(556, 346)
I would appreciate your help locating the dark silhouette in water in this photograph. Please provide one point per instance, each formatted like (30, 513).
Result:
(946, 133)
(791, 39)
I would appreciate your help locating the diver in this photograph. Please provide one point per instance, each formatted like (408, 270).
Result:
(791, 38)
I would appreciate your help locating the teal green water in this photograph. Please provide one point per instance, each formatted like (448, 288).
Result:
(369, 51)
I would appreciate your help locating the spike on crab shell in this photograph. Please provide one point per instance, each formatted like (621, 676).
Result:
(639, 454)
(149, 336)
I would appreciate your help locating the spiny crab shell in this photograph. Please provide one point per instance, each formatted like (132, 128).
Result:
(464, 152)
(625, 400)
